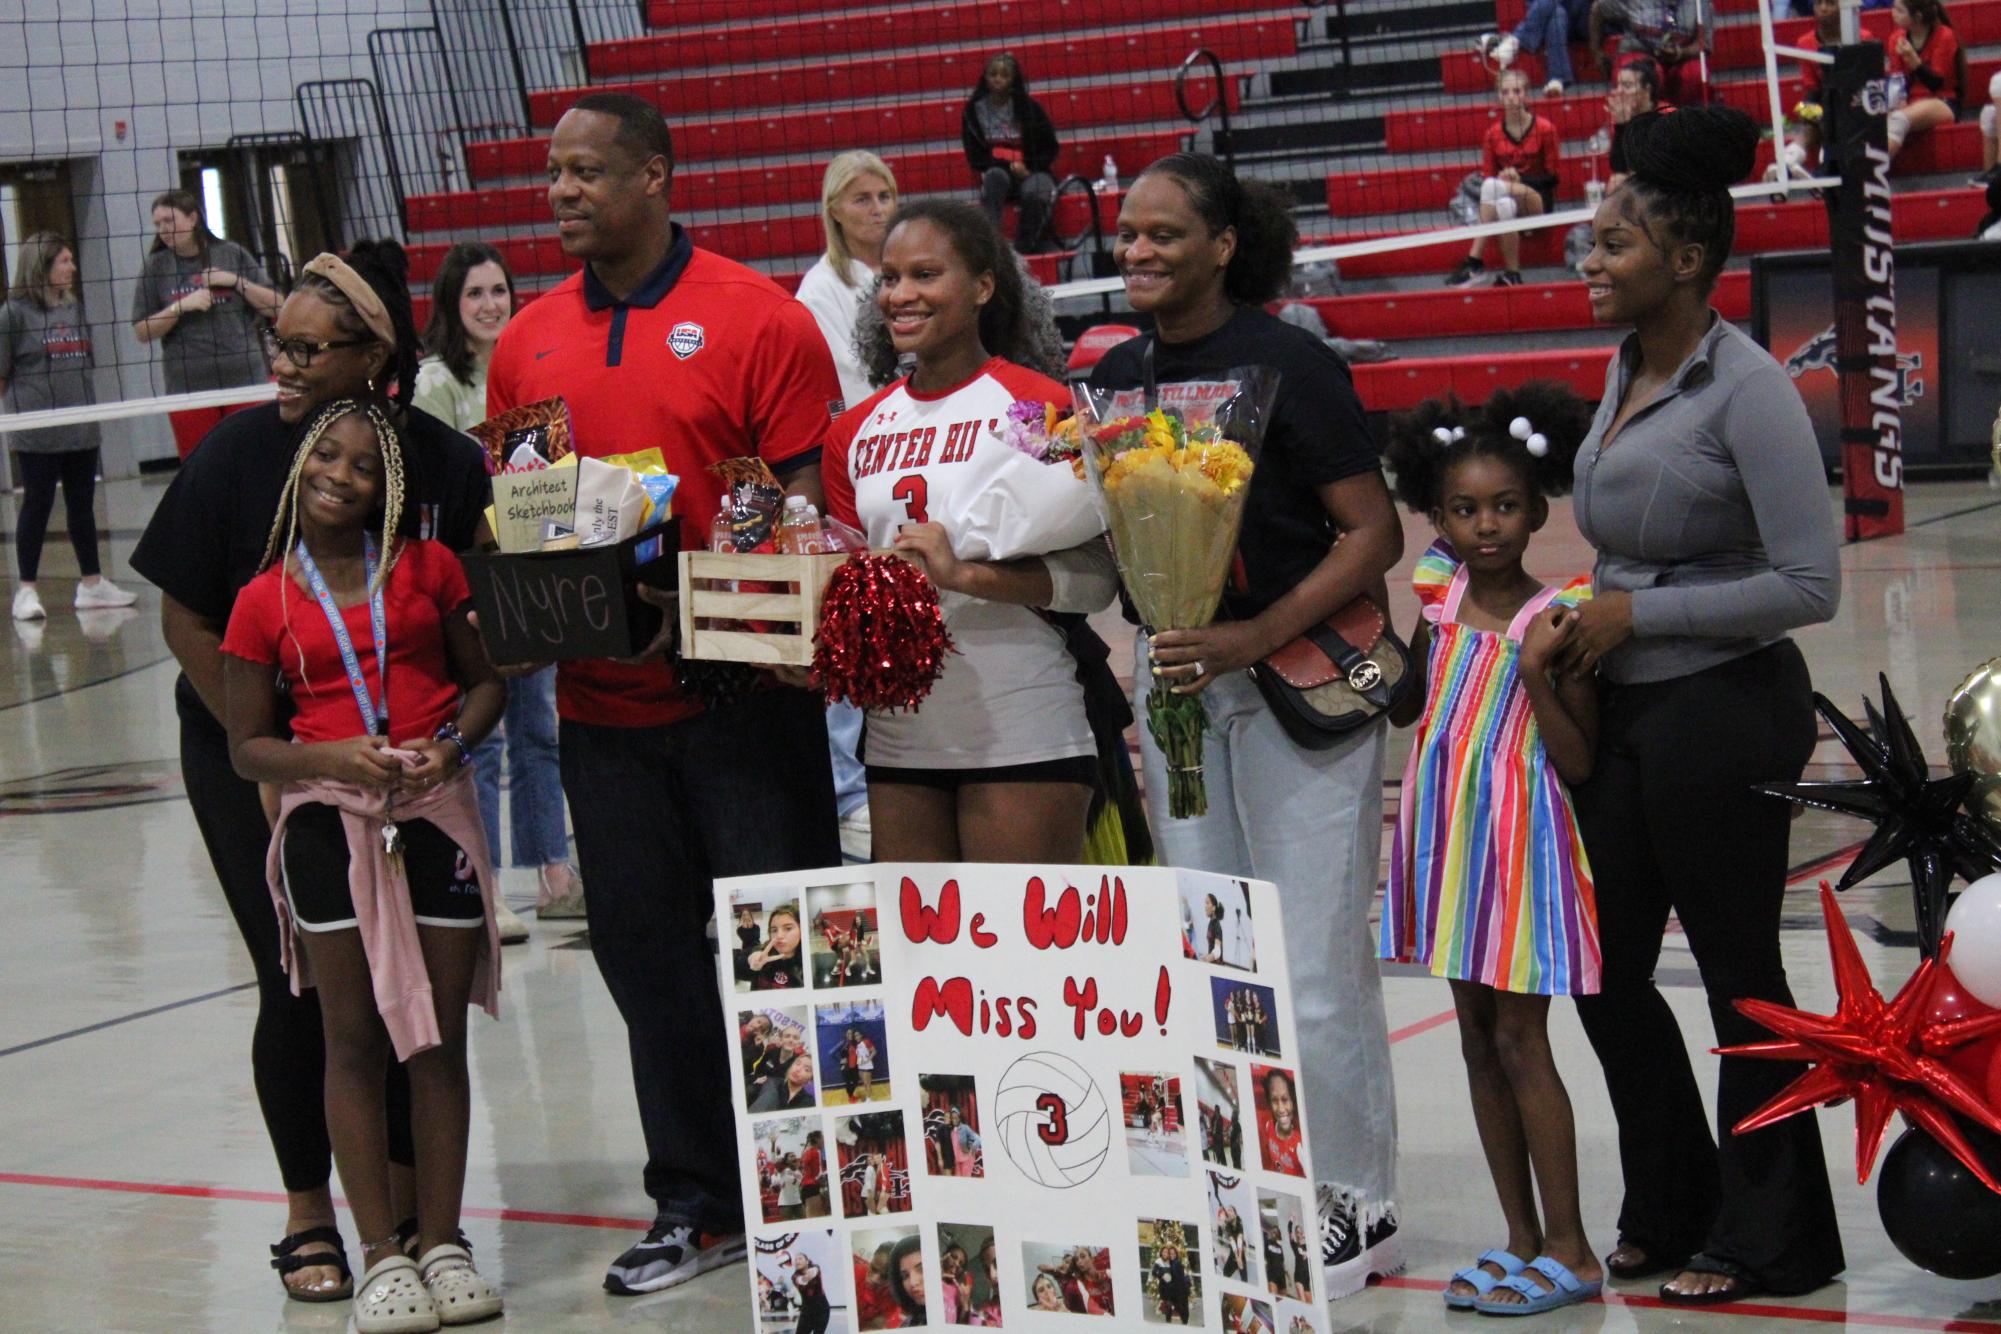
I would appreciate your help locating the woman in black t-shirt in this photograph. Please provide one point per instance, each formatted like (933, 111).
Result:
(345, 332)
(1201, 252)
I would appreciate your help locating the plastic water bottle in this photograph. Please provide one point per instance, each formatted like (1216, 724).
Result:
(1110, 178)
(722, 536)
(799, 530)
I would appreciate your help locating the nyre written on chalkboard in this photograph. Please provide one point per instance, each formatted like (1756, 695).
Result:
(551, 606)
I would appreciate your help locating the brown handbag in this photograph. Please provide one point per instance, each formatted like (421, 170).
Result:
(1341, 674)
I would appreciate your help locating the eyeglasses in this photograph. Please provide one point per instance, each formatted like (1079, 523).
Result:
(301, 351)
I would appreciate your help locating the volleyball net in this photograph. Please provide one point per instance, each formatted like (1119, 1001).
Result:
(311, 128)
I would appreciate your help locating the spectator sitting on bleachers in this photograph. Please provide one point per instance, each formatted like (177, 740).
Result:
(1923, 61)
(1667, 32)
(1547, 28)
(1518, 158)
(1990, 225)
(1636, 90)
(1011, 147)
(1990, 134)
(1803, 152)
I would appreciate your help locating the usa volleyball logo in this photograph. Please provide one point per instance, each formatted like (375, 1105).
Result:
(1053, 1122)
(686, 339)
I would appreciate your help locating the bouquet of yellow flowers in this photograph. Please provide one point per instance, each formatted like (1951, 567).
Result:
(1173, 480)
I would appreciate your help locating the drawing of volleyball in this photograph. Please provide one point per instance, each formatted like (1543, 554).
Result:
(1052, 1120)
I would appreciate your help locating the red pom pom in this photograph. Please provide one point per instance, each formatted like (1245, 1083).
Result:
(882, 640)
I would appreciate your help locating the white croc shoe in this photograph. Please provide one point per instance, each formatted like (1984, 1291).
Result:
(458, 1291)
(391, 1299)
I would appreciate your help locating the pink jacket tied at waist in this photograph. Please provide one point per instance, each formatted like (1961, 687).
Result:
(381, 894)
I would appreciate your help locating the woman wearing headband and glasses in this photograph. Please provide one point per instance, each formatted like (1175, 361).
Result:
(345, 332)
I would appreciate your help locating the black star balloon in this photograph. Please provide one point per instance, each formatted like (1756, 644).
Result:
(1919, 818)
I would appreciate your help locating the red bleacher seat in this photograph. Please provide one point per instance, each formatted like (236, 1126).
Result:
(971, 24)
(1047, 59)
(1476, 311)
(1396, 386)
(1094, 342)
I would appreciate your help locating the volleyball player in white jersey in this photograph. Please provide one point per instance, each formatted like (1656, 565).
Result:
(999, 762)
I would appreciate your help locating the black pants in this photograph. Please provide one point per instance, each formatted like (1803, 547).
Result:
(76, 470)
(1670, 823)
(288, 1049)
(659, 813)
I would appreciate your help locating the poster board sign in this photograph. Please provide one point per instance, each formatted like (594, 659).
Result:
(1056, 1098)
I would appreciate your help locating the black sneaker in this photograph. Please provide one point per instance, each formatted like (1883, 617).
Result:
(1341, 1249)
(1508, 278)
(1985, 178)
(1384, 1251)
(671, 1254)
(1469, 272)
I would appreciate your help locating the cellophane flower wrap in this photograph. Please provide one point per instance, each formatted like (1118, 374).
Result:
(1173, 476)
(1023, 500)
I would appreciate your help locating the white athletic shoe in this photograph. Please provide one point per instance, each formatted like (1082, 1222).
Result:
(512, 929)
(102, 594)
(28, 604)
(1505, 50)
(1554, 88)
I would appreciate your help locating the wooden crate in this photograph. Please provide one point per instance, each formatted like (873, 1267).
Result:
(707, 607)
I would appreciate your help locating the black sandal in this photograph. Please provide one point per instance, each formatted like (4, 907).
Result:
(1651, 1261)
(1743, 1283)
(285, 1258)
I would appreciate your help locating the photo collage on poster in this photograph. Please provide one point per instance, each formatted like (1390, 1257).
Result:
(1248, 1136)
(845, 1127)
(826, 1146)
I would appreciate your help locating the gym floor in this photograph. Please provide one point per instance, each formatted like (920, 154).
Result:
(138, 1192)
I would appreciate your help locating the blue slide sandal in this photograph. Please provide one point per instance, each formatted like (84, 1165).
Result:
(1565, 1289)
(1482, 1281)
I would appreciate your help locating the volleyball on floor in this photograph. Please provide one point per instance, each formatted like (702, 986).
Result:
(1020, 1116)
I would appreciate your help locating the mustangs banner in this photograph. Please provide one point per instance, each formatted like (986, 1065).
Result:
(1865, 294)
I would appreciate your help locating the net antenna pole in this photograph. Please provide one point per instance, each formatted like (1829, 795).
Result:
(1771, 45)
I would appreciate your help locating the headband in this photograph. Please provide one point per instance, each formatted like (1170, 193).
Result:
(359, 294)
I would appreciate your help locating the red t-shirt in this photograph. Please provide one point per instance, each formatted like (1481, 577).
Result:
(809, 1168)
(1281, 1152)
(708, 360)
(277, 623)
(1940, 54)
(1534, 155)
(1809, 69)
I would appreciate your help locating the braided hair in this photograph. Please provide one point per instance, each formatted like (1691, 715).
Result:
(385, 268)
(1017, 323)
(1439, 434)
(285, 525)
(1683, 165)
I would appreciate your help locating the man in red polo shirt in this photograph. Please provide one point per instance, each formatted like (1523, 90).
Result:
(657, 343)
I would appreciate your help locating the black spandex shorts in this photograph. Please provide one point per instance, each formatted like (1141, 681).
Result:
(1076, 769)
(443, 889)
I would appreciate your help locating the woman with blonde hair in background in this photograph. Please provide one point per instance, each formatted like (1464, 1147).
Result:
(45, 362)
(857, 199)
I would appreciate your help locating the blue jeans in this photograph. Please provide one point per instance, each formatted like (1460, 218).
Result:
(534, 781)
(1311, 822)
(1548, 28)
(660, 814)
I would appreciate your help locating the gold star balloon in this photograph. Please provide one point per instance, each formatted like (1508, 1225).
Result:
(1889, 1056)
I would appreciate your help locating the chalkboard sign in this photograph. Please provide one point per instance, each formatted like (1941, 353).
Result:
(552, 606)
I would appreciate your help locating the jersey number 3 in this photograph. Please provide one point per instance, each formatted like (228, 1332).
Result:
(913, 493)
(1057, 1129)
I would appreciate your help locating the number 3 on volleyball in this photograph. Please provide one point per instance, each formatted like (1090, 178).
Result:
(912, 491)
(1057, 1129)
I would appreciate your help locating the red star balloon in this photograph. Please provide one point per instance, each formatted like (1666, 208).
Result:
(1887, 1056)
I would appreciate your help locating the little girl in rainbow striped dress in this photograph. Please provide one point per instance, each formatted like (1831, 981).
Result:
(1489, 887)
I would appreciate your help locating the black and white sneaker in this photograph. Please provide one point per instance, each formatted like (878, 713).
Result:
(1341, 1244)
(1381, 1247)
(1469, 272)
(671, 1254)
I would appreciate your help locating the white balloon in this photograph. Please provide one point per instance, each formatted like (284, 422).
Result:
(1975, 926)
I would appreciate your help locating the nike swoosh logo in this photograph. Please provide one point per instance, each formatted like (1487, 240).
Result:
(543, 353)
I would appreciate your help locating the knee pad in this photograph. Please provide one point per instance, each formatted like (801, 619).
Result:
(1795, 154)
(1493, 190)
(1994, 89)
(1505, 208)
(1899, 127)
(1987, 120)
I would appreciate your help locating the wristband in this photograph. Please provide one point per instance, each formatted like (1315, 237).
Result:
(450, 732)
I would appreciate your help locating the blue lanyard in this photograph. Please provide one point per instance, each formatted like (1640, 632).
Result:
(375, 719)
